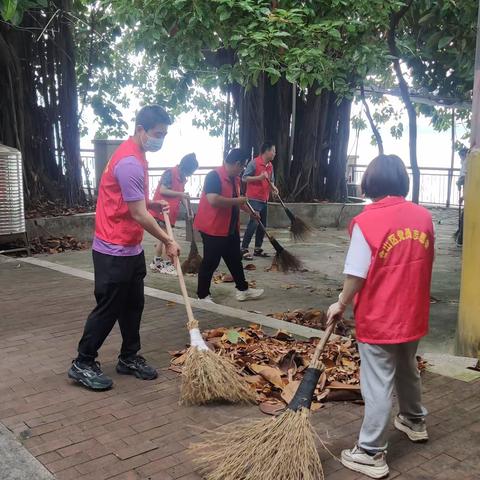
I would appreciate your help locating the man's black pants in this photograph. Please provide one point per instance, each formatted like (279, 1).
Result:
(214, 249)
(119, 294)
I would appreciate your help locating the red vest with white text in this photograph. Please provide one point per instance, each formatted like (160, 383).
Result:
(394, 303)
(174, 202)
(212, 220)
(113, 222)
(260, 190)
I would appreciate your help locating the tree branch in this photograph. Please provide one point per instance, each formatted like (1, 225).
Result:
(375, 130)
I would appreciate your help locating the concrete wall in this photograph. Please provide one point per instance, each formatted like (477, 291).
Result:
(337, 215)
(81, 226)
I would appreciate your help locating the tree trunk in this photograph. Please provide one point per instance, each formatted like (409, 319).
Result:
(38, 113)
(317, 168)
(69, 108)
(336, 179)
(404, 91)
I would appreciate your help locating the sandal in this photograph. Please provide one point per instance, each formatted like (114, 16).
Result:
(258, 252)
(246, 255)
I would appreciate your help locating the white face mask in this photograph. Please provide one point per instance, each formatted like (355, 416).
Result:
(152, 144)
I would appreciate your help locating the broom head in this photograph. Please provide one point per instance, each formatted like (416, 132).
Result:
(193, 261)
(282, 448)
(207, 377)
(287, 262)
(299, 229)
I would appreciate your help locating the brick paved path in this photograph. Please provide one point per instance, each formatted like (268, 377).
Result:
(137, 430)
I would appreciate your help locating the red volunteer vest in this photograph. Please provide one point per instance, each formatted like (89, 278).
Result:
(174, 202)
(394, 304)
(113, 222)
(260, 190)
(214, 220)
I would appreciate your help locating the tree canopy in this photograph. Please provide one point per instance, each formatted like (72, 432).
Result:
(251, 69)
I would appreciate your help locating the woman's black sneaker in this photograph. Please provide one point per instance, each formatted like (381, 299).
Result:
(137, 366)
(89, 375)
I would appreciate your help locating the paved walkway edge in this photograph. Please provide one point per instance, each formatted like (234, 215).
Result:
(248, 317)
(16, 463)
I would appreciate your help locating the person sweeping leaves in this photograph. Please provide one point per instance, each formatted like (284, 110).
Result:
(218, 221)
(171, 189)
(118, 258)
(388, 274)
(259, 178)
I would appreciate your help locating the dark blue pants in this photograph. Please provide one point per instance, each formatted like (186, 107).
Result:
(252, 227)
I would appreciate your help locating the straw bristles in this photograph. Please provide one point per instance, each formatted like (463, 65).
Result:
(282, 448)
(193, 261)
(287, 262)
(207, 377)
(299, 229)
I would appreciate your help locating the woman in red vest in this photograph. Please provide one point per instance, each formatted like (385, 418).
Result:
(171, 188)
(118, 258)
(218, 221)
(388, 273)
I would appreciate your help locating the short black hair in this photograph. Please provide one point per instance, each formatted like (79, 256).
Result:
(386, 175)
(237, 155)
(266, 146)
(189, 163)
(150, 116)
(463, 152)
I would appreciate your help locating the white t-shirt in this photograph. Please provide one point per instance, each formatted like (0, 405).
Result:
(359, 256)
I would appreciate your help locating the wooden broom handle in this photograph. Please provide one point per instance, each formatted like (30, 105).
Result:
(181, 280)
(259, 221)
(189, 207)
(321, 344)
(278, 195)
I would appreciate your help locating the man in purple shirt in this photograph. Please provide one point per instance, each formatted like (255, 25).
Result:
(119, 262)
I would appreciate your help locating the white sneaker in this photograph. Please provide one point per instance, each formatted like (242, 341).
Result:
(415, 431)
(359, 461)
(156, 265)
(168, 268)
(249, 294)
(207, 299)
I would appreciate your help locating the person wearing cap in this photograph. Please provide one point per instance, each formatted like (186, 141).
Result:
(171, 188)
(388, 274)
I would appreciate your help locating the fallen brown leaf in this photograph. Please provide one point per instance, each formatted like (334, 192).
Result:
(289, 391)
(273, 375)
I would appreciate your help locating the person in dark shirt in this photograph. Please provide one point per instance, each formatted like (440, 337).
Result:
(217, 221)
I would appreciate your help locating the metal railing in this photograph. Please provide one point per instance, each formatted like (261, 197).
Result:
(194, 184)
(87, 157)
(438, 186)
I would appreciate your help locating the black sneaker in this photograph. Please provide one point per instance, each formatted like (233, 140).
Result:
(89, 375)
(137, 366)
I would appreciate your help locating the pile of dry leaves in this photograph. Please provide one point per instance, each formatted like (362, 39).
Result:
(275, 365)
(56, 244)
(314, 318)
(53, 209)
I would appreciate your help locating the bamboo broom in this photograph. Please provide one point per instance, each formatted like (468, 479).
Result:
(194, 259)
(282, 448)
(206, 376)
(298, 228)
(284, 259)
